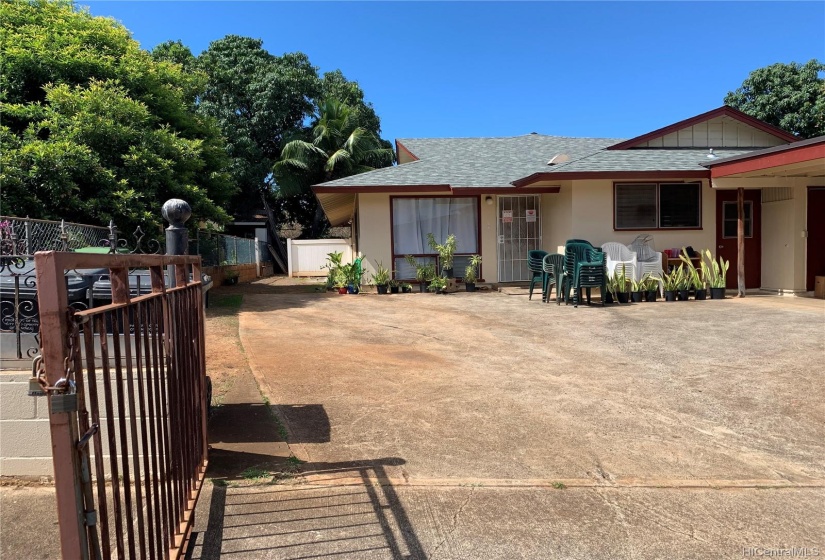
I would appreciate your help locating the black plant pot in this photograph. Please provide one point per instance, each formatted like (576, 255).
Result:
(717, 293)
(700, 295)
(382, 289)
(636, 297)
(623, 297)
(608, 297)
(651, 295)
(683, 295)
(406, 290)
(670, 295)
(423, 286)
(394, 289)
(470, 286)
(448, 273)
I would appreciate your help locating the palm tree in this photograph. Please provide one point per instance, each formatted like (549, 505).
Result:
(338, 147)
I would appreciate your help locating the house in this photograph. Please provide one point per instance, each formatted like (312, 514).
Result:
(504, 196)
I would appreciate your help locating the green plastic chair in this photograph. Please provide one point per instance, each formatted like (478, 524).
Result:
(590, 274)
(574, 253)
(553, 266)
(535, 265)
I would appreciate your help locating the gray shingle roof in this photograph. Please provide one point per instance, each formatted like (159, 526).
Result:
(475, 162)
(653, 159)
(497, 162)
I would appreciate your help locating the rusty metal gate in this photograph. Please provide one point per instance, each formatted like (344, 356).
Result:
(128, 402)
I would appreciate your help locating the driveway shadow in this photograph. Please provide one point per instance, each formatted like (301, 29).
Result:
(363, 518)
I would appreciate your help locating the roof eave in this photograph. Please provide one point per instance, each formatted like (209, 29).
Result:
(579, 175)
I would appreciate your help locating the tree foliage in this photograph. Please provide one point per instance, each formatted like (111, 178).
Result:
(336, 146)
(94, 129)
(790, 96)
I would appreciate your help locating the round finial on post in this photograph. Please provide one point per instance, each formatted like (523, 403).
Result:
(176, 212)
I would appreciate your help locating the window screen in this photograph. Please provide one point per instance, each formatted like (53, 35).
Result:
(636, 206)
(679, 205)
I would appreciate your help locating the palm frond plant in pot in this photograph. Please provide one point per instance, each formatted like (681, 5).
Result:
(694, 276)
(471, 273)
(333, 266)
(446, 253)
(651, 288)
(637, 288)
(395, 286)
(622, 285)
(424, 272)
(438, 285)
(609, 295)
(672, 281)
(715, 274)
(381, 278)
(406, 288)
(339, 281)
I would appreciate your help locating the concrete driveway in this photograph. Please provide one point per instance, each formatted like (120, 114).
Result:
(489, 426)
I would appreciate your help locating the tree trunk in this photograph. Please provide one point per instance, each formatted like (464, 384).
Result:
(740, 242)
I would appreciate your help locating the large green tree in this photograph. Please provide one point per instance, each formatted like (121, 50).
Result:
(258, 99)
(790, 96)
(337, 146)
(94, 129)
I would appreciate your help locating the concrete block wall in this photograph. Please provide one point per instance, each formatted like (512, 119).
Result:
(25, 441)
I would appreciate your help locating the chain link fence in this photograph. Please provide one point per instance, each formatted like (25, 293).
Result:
(217, 249)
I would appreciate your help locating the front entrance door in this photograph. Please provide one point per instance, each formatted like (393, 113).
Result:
(519, 231)
(816, 235)
(726, 241)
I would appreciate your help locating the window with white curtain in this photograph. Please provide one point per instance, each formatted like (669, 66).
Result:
(413, 218)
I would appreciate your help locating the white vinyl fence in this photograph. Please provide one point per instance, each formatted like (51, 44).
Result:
(307, 256)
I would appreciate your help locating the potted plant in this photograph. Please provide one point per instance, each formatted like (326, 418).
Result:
(446, 253)
(423, 272)
(694, 276)
(438, 285)
(230, 277)
(609, 295)
(715, 274)
(672, 281)
(406, 288)
(333, 265)
(622, 285)
(353, 273)
(637, 288)
(395, 286)
(471, 273)
(381, 278)
(339, 281)
(651, 288)
(683, 288)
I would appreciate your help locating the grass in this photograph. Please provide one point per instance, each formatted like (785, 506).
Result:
(231, 301)
(255, 473)
(280, 426)
(559, 485)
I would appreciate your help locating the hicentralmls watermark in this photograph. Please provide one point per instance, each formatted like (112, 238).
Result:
(792, 552)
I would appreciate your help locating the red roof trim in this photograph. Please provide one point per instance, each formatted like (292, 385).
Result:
(504, 190)
(320, 189)
(544, 176)
(800, 154)
(721, 111)
(401, 147)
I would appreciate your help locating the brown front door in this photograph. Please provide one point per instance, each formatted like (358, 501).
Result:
(816, 235)
(726, 242)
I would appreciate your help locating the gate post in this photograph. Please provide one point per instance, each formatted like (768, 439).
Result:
(176, 212)
(53, 302)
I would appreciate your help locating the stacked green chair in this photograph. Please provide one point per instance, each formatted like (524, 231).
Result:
(574, 253)
(535, 265)
(590, 274)
(553, 266)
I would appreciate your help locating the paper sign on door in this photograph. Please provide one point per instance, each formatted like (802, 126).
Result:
(506, 216)
(530, 215)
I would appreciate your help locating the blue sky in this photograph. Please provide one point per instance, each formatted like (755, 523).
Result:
(439, 69)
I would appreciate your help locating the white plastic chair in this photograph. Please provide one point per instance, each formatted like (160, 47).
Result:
(617, 255)
(649, 260)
